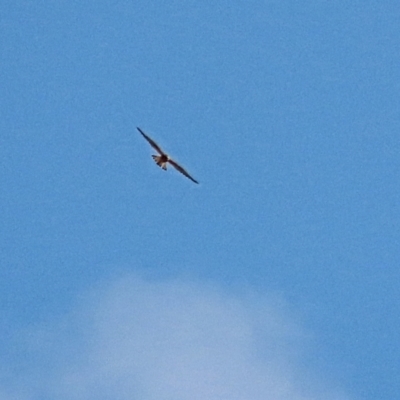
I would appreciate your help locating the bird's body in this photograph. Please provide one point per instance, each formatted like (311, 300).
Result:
(161, 161)
(163, 158)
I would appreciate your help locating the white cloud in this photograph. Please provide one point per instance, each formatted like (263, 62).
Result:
(173, 340)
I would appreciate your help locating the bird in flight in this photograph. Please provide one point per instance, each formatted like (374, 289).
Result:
(163, 159)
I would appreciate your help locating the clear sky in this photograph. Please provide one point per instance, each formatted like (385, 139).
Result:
(277, 277)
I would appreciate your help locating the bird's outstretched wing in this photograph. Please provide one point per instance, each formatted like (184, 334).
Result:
(181, 170)
(153, 144)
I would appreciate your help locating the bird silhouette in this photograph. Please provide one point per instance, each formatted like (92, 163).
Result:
(163, 158)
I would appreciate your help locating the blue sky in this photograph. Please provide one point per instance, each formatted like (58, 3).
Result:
(276, 277)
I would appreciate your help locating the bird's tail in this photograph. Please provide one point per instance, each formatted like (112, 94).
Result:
(160, 163)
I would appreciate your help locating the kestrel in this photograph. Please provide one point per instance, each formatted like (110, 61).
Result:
(163, 159)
